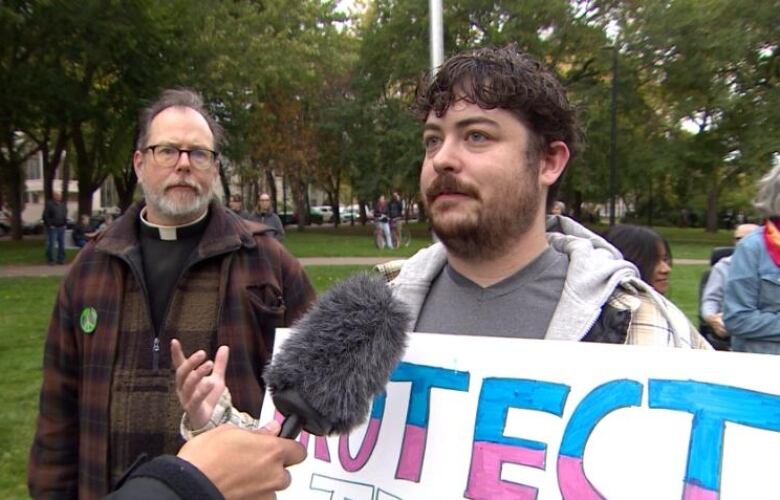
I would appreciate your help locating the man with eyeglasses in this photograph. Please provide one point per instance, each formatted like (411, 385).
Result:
(177, 265)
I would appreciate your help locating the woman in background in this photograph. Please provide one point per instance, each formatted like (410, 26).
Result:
(751, 299)
(647, 250)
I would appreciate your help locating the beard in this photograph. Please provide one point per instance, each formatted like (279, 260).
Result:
(176, 205)
(479, 229)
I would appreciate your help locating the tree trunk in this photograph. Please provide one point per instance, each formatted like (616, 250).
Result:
(225, 185)
(16, 199)
(334, 203)
(125, 183)
(52, 162)
(712, 210)
(577, 205)
(300, 204)
(271, 182)
(66, 184)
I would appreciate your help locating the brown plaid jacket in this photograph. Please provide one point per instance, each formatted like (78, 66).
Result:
(262, 286)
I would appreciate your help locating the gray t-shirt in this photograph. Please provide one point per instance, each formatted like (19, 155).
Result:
(520, 306)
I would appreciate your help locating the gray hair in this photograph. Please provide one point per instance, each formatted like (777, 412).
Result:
(181, 98)
(767, 199)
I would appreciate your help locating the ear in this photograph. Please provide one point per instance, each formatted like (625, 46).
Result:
(552, 163)
(138, 165)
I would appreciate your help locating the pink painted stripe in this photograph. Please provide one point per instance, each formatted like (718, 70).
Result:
(498, 453)
(366, 447)
(695, 492)
(412, 451)
(572, 481)
(485, 474)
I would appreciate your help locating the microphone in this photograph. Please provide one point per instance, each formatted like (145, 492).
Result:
(338, 357)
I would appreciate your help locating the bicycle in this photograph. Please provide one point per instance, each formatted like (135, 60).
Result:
(399, 234)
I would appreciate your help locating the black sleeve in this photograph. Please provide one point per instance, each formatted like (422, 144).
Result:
(166, 478)
(47, 214)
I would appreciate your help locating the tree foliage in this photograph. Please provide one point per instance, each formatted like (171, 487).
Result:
(307, 92)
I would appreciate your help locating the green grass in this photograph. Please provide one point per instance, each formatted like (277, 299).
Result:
(314, 241)
(689, 243)
(31, 250)
(350, 241)
(25, 307)
(684, 289)
(357, 241)
(323, 277)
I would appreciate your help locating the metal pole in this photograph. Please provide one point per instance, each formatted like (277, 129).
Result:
(613, 139)
(437, 35)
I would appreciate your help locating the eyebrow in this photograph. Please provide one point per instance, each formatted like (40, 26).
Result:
(466, 122)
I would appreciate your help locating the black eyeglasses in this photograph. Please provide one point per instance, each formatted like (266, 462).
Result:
(167, 156)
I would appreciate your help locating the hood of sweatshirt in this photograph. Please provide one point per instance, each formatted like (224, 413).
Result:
(595, 269)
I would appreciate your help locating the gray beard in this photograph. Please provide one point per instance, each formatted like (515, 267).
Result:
(177, 210)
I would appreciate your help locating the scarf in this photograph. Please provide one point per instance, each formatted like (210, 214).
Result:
(772, 241)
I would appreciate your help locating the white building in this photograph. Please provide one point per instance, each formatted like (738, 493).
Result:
(102, 199)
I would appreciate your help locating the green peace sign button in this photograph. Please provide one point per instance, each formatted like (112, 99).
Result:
(88, 320)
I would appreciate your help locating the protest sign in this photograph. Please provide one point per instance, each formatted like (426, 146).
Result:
(483, 417)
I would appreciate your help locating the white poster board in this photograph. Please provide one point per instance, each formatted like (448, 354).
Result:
(480, 417)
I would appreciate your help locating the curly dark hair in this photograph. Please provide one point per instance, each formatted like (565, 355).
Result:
(509, 79)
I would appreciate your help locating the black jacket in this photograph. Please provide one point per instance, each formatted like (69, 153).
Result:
(165, 478)
(55, 214)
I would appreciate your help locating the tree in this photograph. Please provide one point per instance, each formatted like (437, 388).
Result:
(715, 63)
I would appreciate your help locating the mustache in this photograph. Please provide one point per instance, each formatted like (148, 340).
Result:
(448, 183)
(182, 182)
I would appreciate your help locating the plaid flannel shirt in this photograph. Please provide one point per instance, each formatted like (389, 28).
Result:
(69, 454)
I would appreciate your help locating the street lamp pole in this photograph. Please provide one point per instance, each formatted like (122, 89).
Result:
(437, 34)
(613, 138)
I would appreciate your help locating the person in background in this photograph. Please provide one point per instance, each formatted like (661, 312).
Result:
(751, 303)
(558, 208)
(55, 219)
(395, 211)
(266, 215)
(382, 220)
(712, 296)
(236, 204)
(82, 231)
(176, 265)
(647, 250)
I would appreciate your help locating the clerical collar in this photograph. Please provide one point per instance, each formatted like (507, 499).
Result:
(172, 233)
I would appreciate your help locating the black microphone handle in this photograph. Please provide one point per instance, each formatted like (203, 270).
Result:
(291, 427)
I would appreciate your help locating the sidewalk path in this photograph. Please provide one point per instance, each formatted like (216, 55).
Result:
(20, 271)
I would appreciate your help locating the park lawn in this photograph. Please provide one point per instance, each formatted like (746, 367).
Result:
(684, 289)
(25, 307)
(357, 241)
(31, 250)
(313, 241)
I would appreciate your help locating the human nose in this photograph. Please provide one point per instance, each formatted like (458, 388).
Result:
(446, 158)
(183, 163)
